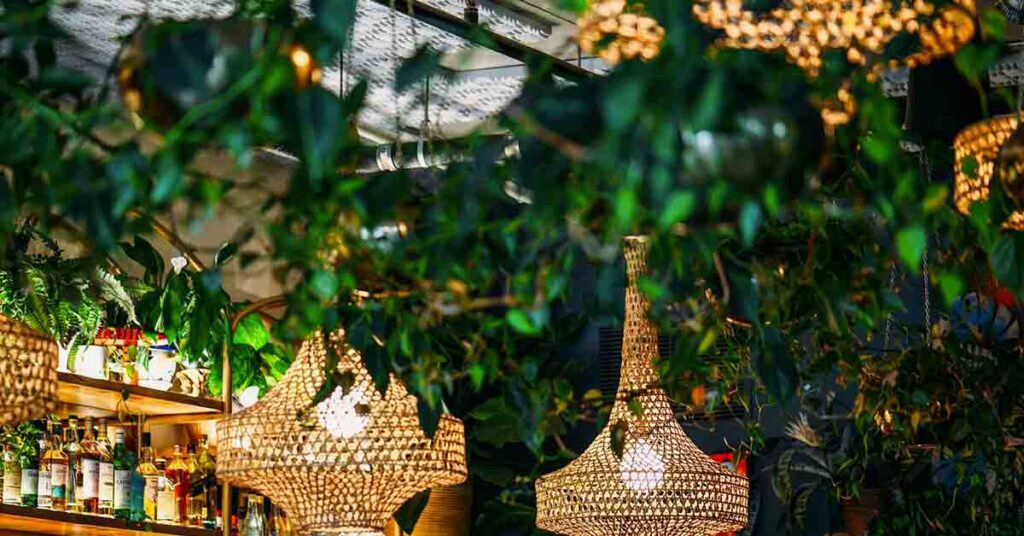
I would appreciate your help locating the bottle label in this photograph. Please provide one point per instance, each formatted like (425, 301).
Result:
(122, 488)
(59, 476)
(166, 505)
(90, 479)
(106, 483)
(12, 486)
(45, 500)
(29, 482)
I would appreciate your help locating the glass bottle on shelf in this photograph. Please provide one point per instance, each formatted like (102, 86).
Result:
(207, 468)
(44, 499)
(166, 501)
(137, 505)
(178, 473)
(73, 492)
(196, 504)
(150, 475)
(123, 468)
(106, 464)
(12, 477)
(57, 460)
(90, 491)
(254, 524)
(29, 461)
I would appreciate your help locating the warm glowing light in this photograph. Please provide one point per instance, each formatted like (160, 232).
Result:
(975, 150)
(300, 58)
(249, 396)
(660, 483)
(344, 464)
(641, 468)
(345, 414)
(612, 32)
(805, 30)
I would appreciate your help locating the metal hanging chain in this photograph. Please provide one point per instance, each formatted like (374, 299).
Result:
(926, 167)
(887, 332)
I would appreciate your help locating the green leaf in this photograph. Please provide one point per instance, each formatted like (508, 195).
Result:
(409, 513)
(1007, 258)
(418, 68)
(969, 166)
(774, 365)
(147, 256)
(952, 287)
(429, 416)
(678, 208)
(334, 18)
(496, 422)
(520, 321)
(251, 332)
(225, 253)
(618, 439)
(910, 244)
(750, 221)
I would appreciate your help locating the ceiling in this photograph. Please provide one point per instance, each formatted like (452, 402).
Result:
(480, 82)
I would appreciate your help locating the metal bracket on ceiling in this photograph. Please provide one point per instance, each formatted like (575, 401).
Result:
(479, 35)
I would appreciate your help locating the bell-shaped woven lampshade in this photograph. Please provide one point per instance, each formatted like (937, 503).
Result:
(342, 466)
(28, 372)
(978, 150)
(661, 483)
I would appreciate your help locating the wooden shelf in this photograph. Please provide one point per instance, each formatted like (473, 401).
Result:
(101, 397)
(19, 521)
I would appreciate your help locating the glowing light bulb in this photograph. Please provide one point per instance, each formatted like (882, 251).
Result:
(345, 414)
(641, 467)
(249, 396)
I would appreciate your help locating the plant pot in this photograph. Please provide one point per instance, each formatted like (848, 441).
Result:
(88, 361)
(160, 369)
(448, 513)
(858, 512)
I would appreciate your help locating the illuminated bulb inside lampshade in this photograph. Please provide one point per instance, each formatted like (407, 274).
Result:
(249, 396)
(345, 414)
(641, 467)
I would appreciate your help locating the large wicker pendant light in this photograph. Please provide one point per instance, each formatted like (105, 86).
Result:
(342, 466)
(660, 483)
(28, 372)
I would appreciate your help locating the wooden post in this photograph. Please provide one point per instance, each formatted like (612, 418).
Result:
(225, 498)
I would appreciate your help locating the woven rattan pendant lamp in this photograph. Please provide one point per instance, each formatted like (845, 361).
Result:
(28, 372)
(662, 483)
(342, 466)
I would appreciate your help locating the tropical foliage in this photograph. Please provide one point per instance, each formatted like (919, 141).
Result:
(779, 247)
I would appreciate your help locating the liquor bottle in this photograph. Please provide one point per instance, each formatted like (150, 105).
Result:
(75, 481)
(123, 468)
(90, 490)
(166, 501)
(207, 471)
(137, 507)
(196, 503)
(255, 523)
(57, 460)
(30, 473)
(44, 499)
(12, 477)
(150, 475)
(106, 498)
(178, 473)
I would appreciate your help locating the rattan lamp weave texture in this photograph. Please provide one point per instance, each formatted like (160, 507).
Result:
(28, 372)
(662, 483)
(346, 464)
(976, 149)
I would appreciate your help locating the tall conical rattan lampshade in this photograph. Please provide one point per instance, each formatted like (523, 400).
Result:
(346, 464)
(662, 484)
(28, 372)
